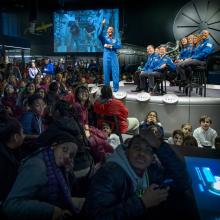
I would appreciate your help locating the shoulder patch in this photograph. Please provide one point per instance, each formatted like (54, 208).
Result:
(209, 45)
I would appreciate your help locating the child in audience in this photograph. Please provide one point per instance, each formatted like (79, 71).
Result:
(32, 121)
(113, 139)
(205, 135)
(190, 141)
(151, 119)
(108, 105)
(177, 138)
(186, 129)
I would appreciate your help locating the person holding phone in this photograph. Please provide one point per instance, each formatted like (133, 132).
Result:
(131, 185)
(110, 59)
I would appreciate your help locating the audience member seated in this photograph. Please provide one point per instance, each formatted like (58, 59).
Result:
(29, 91)
(41, 189)
(63, 119)
(69, 95)
(113, 139)
(52, 96)
(190, 141)
(38, 81)
(97, 139)
(151, 119)
(9, 100)
(128, 185)
(205, 135)
(108, 105)
(12, 80)
(82, 106)
(31, 120)
(98, 142)
(42, 92)
(141, 66)
(11, 138)
(22, 86)
(46, 82)
(177, 138)
(33, 71)
(186, 128)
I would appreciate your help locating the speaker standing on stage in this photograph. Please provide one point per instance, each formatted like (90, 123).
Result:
(110, 59)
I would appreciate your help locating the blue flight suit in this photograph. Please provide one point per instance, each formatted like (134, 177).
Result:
(186, 52)
(165, 59)
(110, 60)
(202, 51)
(198, 58)
(148, 67)
(150, 62)
(155, 70)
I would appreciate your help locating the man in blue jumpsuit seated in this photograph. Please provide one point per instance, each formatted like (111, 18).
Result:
(128, 186)
(110, 59)
(157, 69)
(198, 58)
(151, 57)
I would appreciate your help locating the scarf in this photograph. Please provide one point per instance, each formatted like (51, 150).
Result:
(57, 183)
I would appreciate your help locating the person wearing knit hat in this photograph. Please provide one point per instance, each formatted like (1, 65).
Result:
(41, 190)
(55, 135)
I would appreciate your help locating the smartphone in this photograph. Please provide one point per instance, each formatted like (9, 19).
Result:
(166, 183)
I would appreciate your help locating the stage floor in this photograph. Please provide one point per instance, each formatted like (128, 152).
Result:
(212, 91)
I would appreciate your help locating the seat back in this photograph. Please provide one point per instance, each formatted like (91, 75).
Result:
(112, 120)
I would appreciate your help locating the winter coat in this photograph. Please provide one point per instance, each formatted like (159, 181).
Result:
(113, 107)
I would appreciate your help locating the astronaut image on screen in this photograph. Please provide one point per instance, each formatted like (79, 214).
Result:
(205, 173)
(77, 31)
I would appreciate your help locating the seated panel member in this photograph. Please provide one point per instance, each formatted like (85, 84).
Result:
(186, 50)
(198, 58)
(151, 56)
(156, 69)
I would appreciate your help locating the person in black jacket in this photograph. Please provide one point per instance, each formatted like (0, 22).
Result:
(11, 138)
(128, 186)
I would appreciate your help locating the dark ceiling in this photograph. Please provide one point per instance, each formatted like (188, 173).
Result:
(58, 4)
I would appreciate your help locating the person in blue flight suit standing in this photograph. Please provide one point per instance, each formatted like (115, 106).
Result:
(110, 59)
